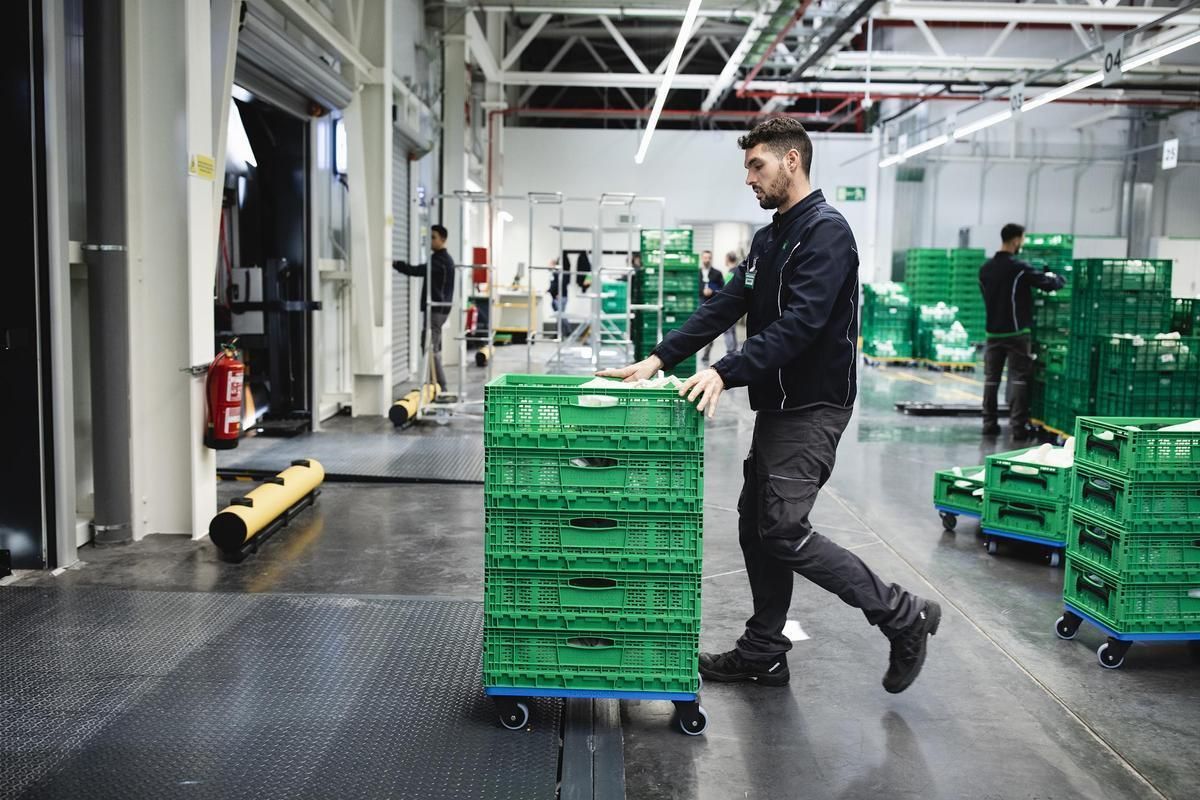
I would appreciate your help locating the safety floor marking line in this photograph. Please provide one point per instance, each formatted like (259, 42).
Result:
(1104, 743)
(960, 393)
(904, 376)
(963, 379)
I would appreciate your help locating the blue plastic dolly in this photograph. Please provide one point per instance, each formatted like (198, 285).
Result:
(514, 714)
(1054, 547)
(1111, 654)
(950, 515)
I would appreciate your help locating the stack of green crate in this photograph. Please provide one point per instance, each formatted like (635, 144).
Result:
(673, 257)
(965, 293)
(1185, 316)
(928, 275)
(594, 522)
(1108, 296)
(887, 321)
(1051, 324)
(614, 299)
(1151, 377)
(1025, 501)
(1133, 565)
(934, 323)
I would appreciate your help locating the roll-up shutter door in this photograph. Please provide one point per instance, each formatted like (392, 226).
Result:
(401, 284)
(270, 57)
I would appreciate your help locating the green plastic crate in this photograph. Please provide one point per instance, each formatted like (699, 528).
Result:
(593, 661)
(646, 283)
(1011, 477)
(612, 540)
(1185, 316)
(1145, 557)
(1132, 607)
(671, 260)
(1106, 445)
(544, 411)
(592, 601)
(958, 492)
(1121, 275)
(1138, 506)
(1017, 513)
(669, 239)
(593, 480)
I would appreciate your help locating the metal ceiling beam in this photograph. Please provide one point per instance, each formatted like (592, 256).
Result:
(481, 49)
(1117, 16)
(624, 45)
(662, 65)
(843, 27)
(550, 65)
(738, 58)
(930, 39)
(526, 39)
(650, 9)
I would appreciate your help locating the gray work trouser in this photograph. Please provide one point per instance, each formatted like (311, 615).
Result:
(1017, 351)
(437, 321)
(790, 459)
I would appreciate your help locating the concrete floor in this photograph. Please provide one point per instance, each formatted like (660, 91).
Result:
(1003, 710)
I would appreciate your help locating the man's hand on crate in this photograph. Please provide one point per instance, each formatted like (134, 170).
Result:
(643, 370)
(706, 384)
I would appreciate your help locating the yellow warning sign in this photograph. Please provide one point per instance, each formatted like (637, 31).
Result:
(202, 167)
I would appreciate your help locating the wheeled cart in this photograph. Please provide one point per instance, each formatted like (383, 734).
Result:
(690, 716)
(950, 515)
(1053, 547)
(1111, 654)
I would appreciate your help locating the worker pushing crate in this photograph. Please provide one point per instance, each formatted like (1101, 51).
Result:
(594, 521)
(1133, 565)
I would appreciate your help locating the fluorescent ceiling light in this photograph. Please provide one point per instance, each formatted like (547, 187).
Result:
(980, 124)
(689, 20)
(926, 146)
(1062, 91)
(1165, 50)
(238, 93)
(890, 160)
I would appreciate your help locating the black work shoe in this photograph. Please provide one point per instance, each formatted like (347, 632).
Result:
(991, 430)
(732, 668)
(1022, 434)
(908, 649)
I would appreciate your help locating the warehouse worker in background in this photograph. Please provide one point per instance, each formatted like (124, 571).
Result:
(799, 285)
(1007, 284)
(712, 280)
(441, 295)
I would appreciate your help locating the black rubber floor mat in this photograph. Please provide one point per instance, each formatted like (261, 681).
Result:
(108, 693)
(365, 456)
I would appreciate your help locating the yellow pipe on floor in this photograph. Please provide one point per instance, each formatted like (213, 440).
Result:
(247, 516)
(406, 407)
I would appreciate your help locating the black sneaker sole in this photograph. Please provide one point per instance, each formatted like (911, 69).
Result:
(931, 628)
(761, 678)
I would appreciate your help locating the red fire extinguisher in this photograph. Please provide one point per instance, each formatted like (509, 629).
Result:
(472, 318)
(223, 390)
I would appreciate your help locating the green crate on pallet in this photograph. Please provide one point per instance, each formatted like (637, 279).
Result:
(555, 411)
(1009, 476)
(597, 541)
(1145, 557)
(1131, 607)
(1052, 242)
(671, 260)
(637, 662)
(1146, 453)
(672, 240)
(1138, 506)
(959, 490)
(673, 281)
(592, 601)
(1165, 396)
(1011, 512)
(877, 347)
(684, 303)
(607, 479)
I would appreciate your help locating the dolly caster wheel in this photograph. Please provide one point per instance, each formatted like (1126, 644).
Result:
(693, 719)
(992, 547)
(1055, 558)
(1111, 654)
(949, 520)
(1067, 626)
(514, 714)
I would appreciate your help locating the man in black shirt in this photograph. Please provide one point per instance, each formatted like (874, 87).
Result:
(799, 285)
(1007, 284)
(440, 296)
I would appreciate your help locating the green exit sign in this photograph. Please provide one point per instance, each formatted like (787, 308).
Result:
(851, 194)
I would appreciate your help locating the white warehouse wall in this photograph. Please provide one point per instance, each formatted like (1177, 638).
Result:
(699, 173)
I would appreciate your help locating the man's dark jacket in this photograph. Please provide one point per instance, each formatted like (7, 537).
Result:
(441, 289)
(1007, 284)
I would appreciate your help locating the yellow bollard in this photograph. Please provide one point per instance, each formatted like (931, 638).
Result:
(251, 519)
(405, 409)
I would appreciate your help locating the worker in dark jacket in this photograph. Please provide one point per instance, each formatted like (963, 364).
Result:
(1007, 284)
(799, 285)
(440, 291)
(712, 280)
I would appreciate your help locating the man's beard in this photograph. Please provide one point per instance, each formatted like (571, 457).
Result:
(776, 194)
